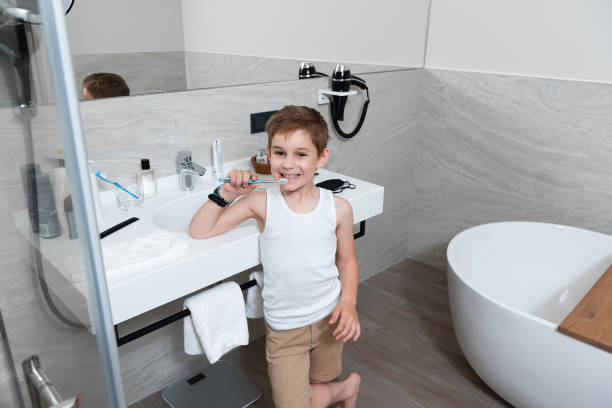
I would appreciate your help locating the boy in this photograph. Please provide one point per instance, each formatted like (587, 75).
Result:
(104, 85)
(309, 262)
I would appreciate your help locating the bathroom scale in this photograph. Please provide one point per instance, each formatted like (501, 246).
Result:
(219, 385)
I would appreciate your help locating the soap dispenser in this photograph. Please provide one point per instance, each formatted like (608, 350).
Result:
(146, 179)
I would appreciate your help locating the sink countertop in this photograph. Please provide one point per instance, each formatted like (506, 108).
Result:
(136, 289)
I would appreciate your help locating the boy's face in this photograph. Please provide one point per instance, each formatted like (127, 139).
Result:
(293, 156)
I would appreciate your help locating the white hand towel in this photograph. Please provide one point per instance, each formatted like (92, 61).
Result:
(254, 300)
(217, 323)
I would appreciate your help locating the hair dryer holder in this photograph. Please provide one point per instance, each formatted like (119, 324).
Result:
(324, 94)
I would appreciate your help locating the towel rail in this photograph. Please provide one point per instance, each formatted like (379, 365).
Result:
(164, 322)
(186, 312)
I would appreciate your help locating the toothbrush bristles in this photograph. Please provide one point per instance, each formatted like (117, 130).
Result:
(282, 181)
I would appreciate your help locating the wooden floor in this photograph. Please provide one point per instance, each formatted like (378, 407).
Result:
(407, 356)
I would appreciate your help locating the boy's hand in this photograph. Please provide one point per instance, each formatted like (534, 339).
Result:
(238, 184)
(349, 327)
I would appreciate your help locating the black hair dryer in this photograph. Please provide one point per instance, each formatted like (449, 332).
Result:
(341, 82)
(308, 70)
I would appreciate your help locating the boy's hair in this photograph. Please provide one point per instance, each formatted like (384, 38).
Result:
(105, 85)
(292, 118)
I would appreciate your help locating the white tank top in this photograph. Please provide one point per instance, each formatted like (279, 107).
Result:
(298, 254)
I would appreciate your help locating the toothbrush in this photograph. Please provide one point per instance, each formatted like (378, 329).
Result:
(217, 159)
(281, 181)
(102, 177)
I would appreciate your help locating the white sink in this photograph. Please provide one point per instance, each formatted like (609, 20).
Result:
(176, 216)
(136, 290)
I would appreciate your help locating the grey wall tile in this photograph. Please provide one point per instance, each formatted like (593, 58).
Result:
(496, 148)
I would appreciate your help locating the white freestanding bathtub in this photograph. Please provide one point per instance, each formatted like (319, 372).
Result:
(510, 285)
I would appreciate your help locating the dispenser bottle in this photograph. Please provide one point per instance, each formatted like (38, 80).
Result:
(48, 222)
(146, 179)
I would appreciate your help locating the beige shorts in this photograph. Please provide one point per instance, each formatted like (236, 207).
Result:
(299, 357)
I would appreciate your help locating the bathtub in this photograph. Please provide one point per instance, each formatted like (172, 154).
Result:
(510, 285)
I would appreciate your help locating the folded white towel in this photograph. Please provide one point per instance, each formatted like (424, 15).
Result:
(217, 323)
(143, 252)
(254, 300)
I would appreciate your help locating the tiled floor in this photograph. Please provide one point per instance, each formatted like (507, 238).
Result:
(407, 356)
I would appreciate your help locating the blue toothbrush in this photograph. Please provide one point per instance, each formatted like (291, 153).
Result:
(258, 181)
(102, 177)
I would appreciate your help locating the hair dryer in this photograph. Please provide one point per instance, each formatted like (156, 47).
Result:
(308, 70)
(341, 82)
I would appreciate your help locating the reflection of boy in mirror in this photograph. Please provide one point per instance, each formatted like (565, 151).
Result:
(104, 85)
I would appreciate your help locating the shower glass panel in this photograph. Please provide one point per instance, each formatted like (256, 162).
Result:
(54, 316)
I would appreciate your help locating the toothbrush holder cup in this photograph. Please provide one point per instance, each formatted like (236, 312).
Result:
(125, 201)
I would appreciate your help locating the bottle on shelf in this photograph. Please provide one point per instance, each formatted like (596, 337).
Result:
(146, 179)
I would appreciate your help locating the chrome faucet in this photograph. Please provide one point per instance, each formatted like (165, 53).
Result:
(186, 170)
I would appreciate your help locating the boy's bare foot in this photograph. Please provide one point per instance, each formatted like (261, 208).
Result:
(353, 381)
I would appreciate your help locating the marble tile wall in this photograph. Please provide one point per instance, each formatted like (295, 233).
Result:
(498, 148)
(121, 131)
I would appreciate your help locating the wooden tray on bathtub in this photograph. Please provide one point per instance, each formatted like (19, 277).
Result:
(591, 319)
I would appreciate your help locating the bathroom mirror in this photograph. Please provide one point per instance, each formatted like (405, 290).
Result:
(176, 45)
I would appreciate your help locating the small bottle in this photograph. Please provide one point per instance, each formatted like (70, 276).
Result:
(146, 179)
(262, 156)
(68, 210)
(48, 222)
